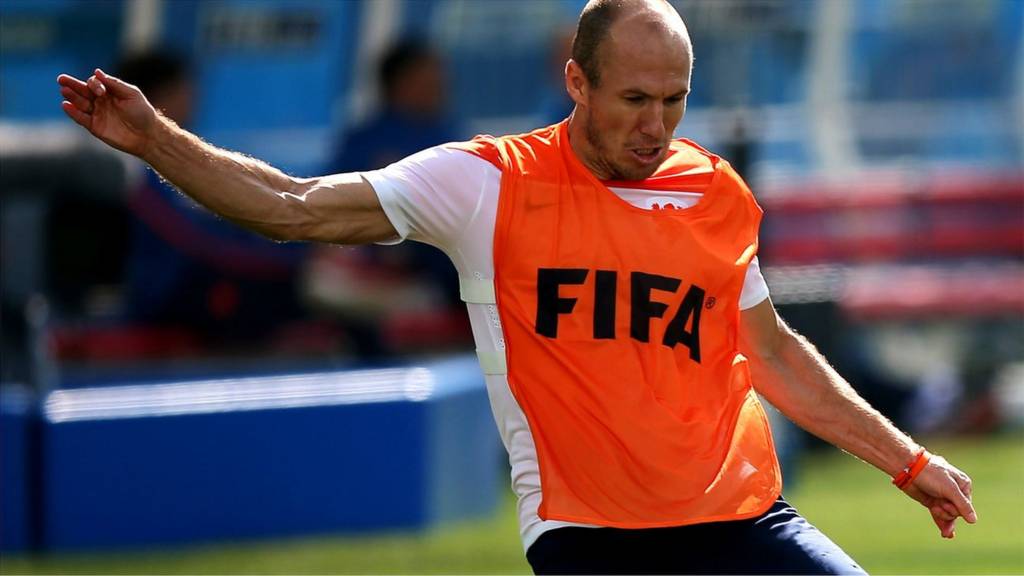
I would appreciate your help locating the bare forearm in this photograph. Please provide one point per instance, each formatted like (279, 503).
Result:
(799, 381)
(340, 208)
(242, 189)
(792, 375)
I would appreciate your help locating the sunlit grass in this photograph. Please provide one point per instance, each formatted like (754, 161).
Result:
(853, 503)
(886, 532)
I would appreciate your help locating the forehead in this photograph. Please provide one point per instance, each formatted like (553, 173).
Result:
(645, 54)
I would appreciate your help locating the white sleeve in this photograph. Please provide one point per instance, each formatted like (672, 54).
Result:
(432, 195)
(755, 289)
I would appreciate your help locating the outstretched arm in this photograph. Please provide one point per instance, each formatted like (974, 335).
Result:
(790, 373)
(341, 209)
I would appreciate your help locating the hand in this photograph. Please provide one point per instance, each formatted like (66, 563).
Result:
(112, 110)
(946, 492)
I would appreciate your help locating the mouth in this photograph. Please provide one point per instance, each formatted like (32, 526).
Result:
(646, 155)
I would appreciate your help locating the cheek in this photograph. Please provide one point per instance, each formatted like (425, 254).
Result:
(617, 123)
(671, 118)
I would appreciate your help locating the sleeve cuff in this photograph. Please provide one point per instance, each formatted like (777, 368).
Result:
(388, 199)
(751, 298)
(755, 289)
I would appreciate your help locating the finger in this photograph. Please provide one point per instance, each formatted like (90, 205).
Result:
(75, 84)
(941, 513)
(964, 481)
(96, 86)
(83, 104)
(81, 118)
(947, 528)
(950, 530)
(116, 86)
(963, 504)
(950, 508)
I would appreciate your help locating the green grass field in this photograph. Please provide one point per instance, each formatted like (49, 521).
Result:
(853, 503)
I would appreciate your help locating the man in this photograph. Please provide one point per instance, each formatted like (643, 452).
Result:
(608, 271)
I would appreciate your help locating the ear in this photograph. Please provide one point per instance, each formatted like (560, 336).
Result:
(576, 83)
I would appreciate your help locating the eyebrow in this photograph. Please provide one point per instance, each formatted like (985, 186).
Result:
(639, 92)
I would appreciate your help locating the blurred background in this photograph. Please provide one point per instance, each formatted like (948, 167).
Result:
(179, 395)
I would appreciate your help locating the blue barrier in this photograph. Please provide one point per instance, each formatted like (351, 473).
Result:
(16, 411)
(267, 456)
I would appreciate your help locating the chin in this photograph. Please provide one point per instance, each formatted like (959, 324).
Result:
(635, 172)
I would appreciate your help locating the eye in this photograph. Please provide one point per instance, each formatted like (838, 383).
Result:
(674, 100)
(635, 99)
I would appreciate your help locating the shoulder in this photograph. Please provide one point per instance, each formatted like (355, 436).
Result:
(500, 150)
(687, 145)
(484, 147)
(687, 155)
(447, 163)
(696, 158)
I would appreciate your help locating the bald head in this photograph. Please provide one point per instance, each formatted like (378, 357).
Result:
(629, 77)
(627, 19)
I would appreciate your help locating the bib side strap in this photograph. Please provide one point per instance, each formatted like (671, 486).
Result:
(477, 290)
(492, 362)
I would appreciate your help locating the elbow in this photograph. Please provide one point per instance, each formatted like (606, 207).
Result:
(770, 359)
(292, 221)
(295, 229)
(775, 349)
(280, 234)
(769, 375)
(768, 347)
(278, 230)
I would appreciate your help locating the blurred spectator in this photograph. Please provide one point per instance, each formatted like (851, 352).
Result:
(367, 283)
(739, 144)
(411, 117)
(188, 267)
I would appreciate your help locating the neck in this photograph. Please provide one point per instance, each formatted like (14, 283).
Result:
(582, 147)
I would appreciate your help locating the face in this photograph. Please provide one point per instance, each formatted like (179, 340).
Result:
(628, 119)
(421, 90)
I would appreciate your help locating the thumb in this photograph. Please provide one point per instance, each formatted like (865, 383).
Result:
(116, 86)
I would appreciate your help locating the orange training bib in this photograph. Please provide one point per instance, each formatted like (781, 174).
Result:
(620, 329)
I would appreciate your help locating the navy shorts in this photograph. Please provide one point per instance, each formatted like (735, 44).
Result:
(779, 541)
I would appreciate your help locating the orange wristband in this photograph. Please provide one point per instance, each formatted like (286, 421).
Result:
(907, 475)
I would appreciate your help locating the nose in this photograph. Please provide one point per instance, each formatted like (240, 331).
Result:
(652, 122)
